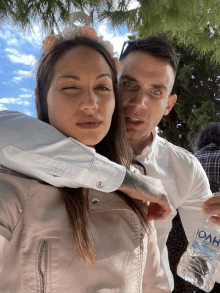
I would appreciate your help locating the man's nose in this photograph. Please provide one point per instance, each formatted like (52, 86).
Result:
(89, 101)
(139, 99)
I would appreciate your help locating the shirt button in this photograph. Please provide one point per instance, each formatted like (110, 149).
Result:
(95, 201)
(99, 184)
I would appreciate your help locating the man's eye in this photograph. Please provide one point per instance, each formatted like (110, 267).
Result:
(156, 91)
(129, 84)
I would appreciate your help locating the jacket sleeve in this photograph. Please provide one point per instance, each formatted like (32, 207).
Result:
(13, 196)
(154, 277)
(37, 149)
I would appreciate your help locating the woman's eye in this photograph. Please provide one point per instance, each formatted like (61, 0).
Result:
(156, 91)
(69, 87)
(103, 88)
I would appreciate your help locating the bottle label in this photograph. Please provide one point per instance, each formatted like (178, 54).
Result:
(209, 238)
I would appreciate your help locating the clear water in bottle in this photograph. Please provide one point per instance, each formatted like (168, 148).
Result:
(200, 263)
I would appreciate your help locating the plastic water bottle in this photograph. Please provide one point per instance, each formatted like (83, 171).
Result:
(200, 263)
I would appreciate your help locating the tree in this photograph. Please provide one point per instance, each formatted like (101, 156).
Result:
(50, 13)
(192, 22)
(198, 88)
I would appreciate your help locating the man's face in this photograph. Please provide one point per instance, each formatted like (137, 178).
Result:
(145, 85)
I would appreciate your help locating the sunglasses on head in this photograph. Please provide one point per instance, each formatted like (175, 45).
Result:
(125, 45)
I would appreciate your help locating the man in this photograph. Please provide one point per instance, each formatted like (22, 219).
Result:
(146, 79)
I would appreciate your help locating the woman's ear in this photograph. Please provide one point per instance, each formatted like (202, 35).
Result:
(170, 104)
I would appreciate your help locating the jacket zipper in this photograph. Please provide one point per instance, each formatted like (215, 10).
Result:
(141, 249)
(43, 277)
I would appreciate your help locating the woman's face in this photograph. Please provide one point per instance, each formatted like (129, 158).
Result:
(81, 98)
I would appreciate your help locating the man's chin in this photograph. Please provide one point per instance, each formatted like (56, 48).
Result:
(132, 133)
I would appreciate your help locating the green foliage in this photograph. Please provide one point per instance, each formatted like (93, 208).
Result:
(192, 22)
(198, 89)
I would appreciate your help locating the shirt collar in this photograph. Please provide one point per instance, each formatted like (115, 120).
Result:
(211, 146)
(148, 150)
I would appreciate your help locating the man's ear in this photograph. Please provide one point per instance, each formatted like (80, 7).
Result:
(170, 103)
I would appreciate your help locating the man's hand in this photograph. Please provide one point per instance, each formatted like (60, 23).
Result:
(146, 188)
(212, 207)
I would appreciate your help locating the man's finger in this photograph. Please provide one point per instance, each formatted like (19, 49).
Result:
(211, 201)
(212, 209)
(215, 220)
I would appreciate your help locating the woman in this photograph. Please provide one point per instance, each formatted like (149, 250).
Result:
(77, 240)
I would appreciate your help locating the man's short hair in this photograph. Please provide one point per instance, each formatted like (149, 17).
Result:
(157, 47)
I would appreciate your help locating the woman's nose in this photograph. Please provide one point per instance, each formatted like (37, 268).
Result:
(89, 101)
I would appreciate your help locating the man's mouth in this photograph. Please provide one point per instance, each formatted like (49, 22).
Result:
(135, 120)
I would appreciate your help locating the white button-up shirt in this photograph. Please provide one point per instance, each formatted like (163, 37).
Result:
(34, 148)
(185, 182)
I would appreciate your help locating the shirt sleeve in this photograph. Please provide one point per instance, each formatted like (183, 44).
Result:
(13, 196)
(154, 277)
(190, 211)
(37, 149)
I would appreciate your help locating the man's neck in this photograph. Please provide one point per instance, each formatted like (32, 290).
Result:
(138, 145)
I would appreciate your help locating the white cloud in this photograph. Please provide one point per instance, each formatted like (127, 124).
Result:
(17, 57)
(17, 78)
(14, 37)
(25, 90)
(26, 96)
(133, 5)
(21, 74)
(10, 83)
(12, 42)
(2, 107)
(117, 41)
(27, 112)
(17, 101)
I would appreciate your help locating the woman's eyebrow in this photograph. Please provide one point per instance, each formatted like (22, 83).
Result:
(77, 78)
(69, 76)
(103, 74)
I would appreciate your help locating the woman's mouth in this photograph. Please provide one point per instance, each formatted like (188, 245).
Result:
(89, 125)
(88, 122)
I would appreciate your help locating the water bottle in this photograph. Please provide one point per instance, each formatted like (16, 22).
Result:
(200, 263)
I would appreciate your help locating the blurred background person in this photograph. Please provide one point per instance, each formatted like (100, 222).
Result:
(207, 150)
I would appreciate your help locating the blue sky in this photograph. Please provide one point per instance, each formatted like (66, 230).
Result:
(19, 55)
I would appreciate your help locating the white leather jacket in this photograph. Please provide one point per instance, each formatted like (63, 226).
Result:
(37, 253)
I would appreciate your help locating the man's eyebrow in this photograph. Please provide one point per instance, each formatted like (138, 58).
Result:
(160, 86)
(77, 78)
(126, 76)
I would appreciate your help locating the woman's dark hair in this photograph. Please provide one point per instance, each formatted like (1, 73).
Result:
(158, 47)
(115, 146)
(207, 135)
